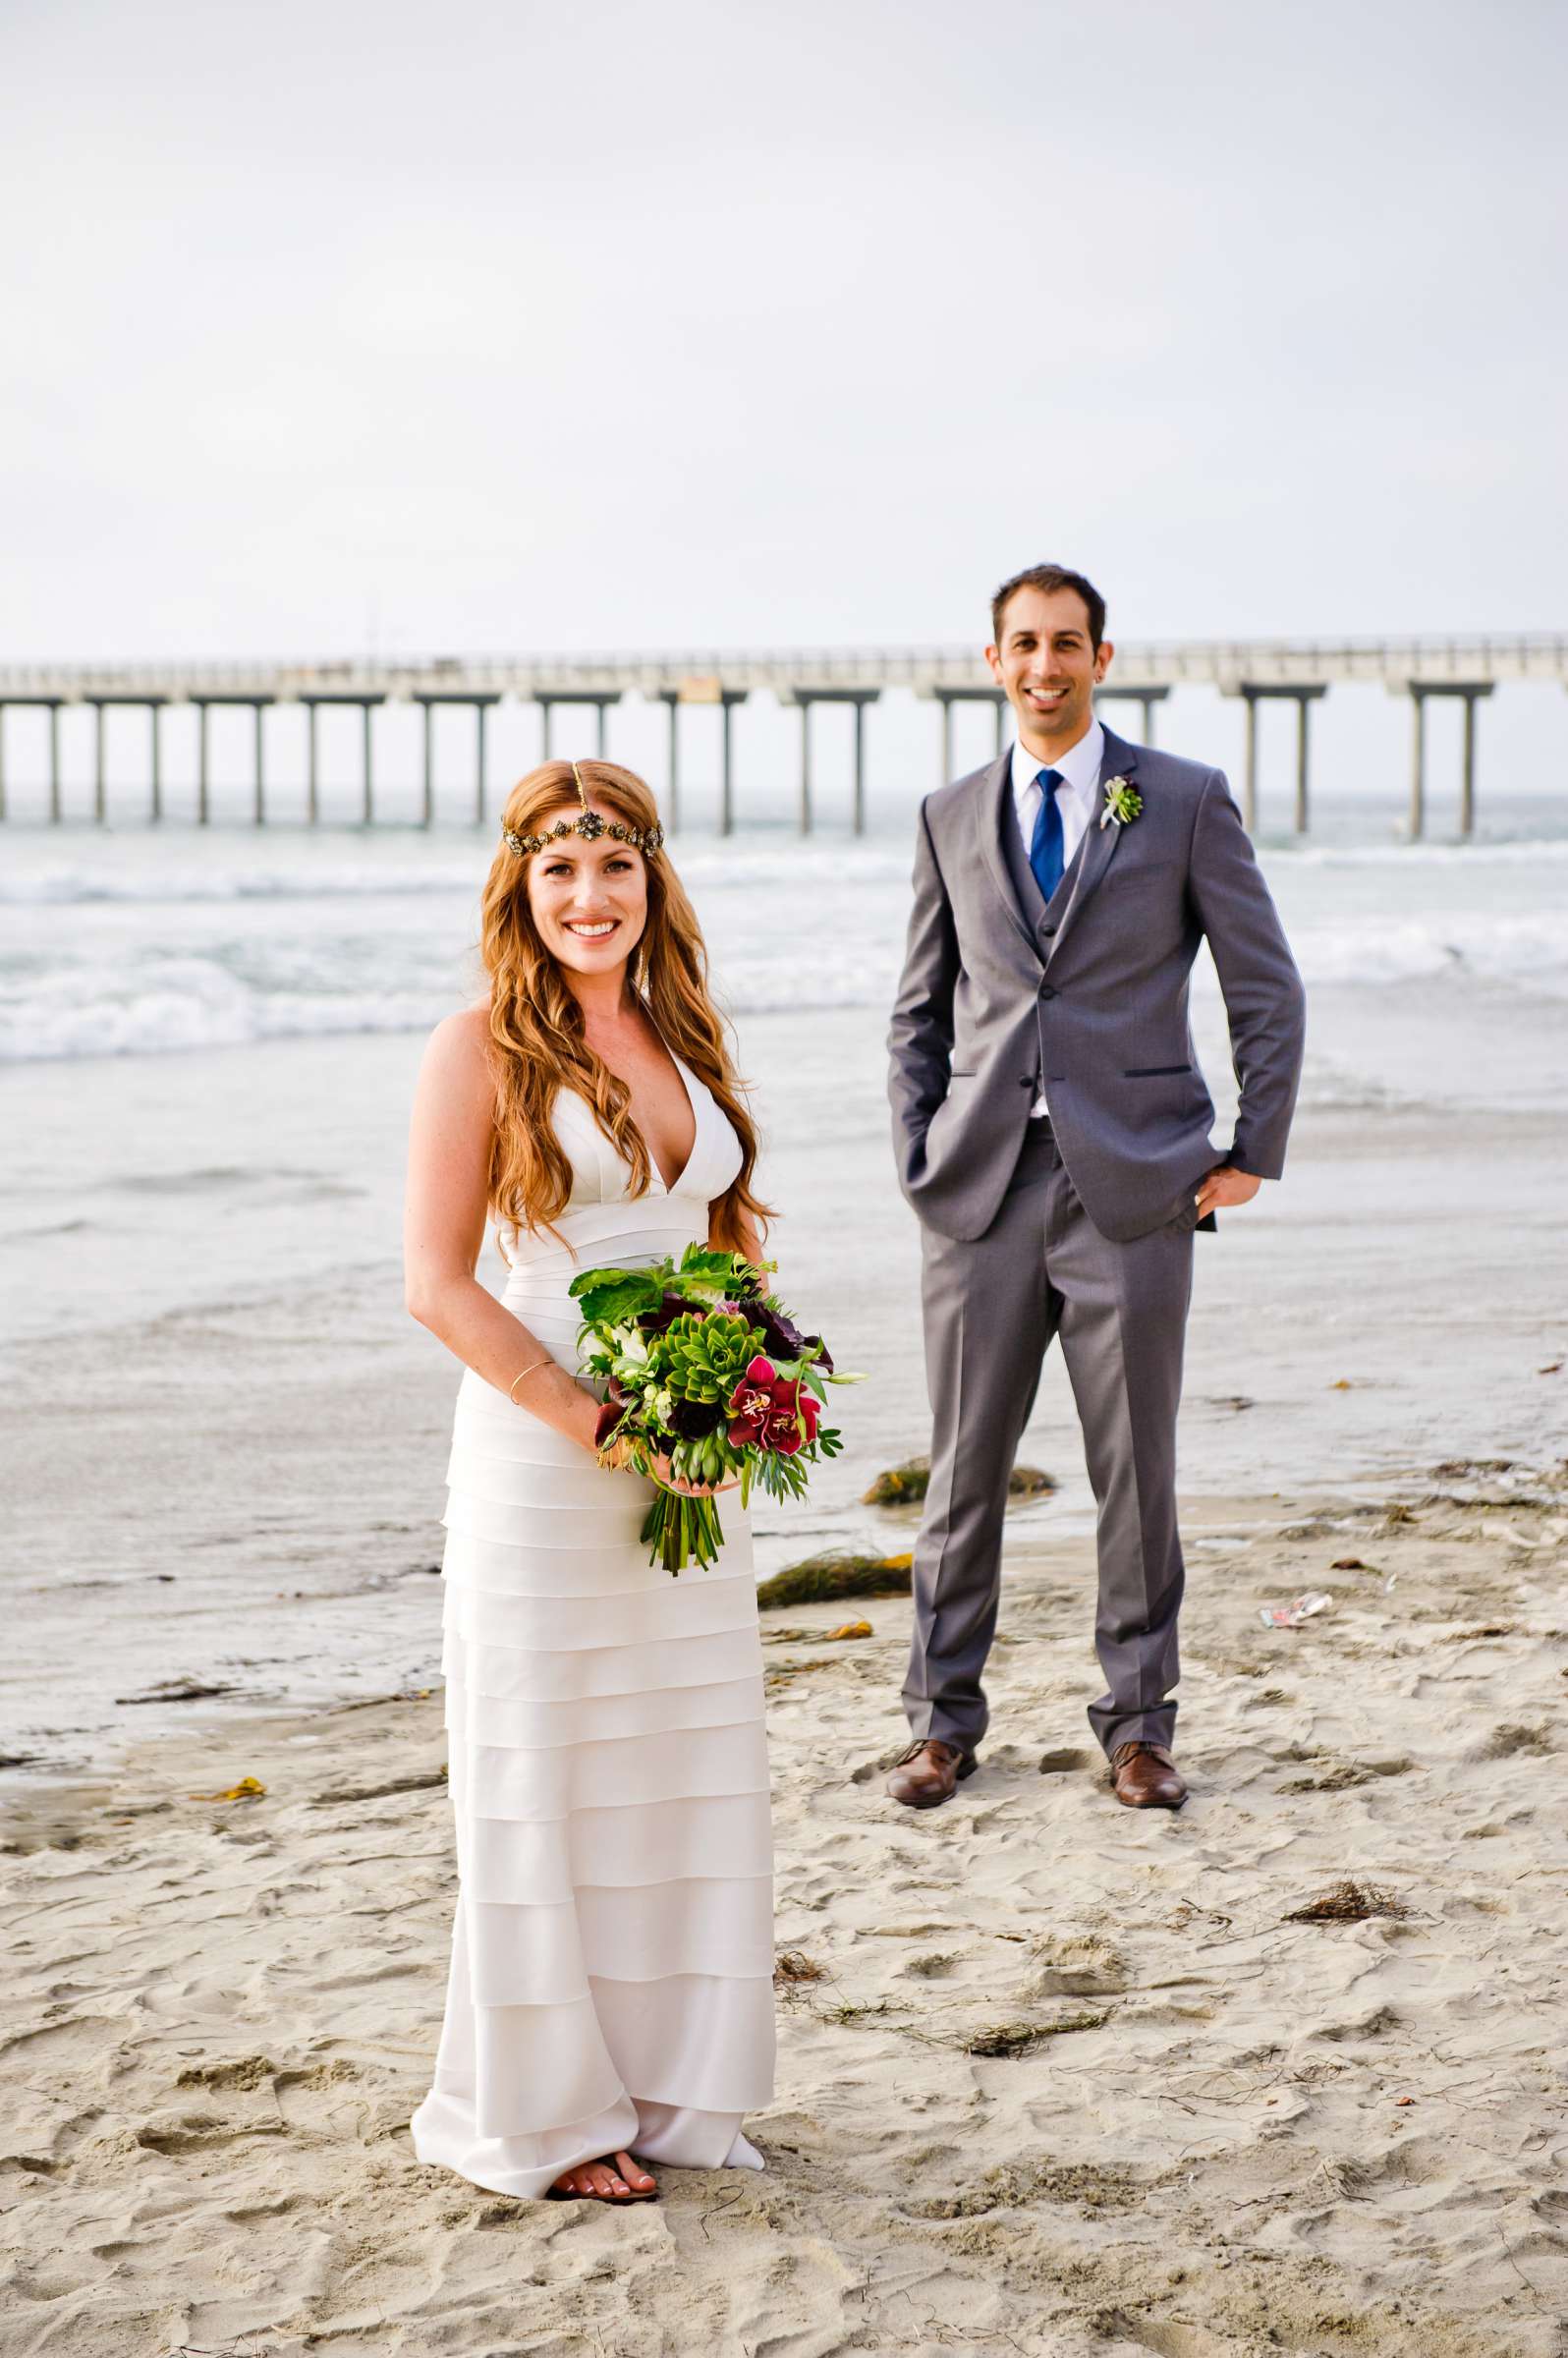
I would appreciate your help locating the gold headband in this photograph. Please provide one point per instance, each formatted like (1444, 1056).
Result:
(590, 826)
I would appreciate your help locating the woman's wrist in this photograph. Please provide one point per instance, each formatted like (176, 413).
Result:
(553, 1394)
(584, 1421)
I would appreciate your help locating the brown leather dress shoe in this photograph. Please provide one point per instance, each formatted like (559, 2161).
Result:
(1146, 1777)
(930, 1772)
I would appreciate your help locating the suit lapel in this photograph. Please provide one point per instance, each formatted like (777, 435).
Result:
(1118, 759)
(990, 813)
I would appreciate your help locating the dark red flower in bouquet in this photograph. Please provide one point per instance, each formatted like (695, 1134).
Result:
(785, 1339)
(671, 1307)
(792, 1426)
(769, 1412)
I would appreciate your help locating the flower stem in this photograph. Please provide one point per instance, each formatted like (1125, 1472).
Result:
(681, 1531)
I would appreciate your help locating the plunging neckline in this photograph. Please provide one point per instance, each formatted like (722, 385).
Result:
(671, 1186)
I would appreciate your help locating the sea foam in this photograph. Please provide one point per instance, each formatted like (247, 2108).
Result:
(140, 947)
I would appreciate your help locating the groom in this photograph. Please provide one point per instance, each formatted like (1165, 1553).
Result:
(1052, 1130)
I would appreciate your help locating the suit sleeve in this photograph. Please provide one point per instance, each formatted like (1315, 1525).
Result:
(1264, 1003)
(920, 1039)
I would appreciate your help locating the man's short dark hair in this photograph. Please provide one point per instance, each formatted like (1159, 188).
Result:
(1049, 578)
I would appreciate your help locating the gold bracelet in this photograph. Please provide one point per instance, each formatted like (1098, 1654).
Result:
(511, 1390)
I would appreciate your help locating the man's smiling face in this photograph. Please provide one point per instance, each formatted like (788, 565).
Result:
(1048, 663)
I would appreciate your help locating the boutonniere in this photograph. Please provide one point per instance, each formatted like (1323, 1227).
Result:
(1123, 803)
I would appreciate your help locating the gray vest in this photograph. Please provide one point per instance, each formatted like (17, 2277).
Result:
(1042, 919)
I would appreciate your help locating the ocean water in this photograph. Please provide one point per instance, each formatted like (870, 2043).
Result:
(224, 1438)
(132, 944)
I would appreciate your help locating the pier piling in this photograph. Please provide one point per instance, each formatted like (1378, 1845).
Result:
(338, 699)
(50, 705)
(600, 699)
(1151, 699)
(947, 697)
(1303, 692)
(101, 704)
(670, 699)
(427, 700)
(805, 696)
(313, 786)
(729, 697)
(1471, 691)
(257, 704)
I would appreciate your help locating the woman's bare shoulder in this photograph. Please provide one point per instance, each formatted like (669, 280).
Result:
(458, 1050)
(468, 1028)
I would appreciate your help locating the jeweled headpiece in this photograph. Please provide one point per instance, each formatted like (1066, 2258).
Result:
(590, 826)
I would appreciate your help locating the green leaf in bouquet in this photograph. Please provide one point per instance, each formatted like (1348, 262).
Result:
(611, 1297)
(780, 1476)
(589, 1280)
(707, 1275)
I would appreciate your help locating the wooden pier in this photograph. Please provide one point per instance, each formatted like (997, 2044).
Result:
(1258, 671)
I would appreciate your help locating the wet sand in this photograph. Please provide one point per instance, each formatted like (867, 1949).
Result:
(224, 1437)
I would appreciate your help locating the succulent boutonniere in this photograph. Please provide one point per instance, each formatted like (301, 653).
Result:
(1123, 803)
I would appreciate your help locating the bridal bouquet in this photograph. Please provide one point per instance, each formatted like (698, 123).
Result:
(702, 1363)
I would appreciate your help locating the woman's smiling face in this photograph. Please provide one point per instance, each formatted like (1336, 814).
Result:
(589, 900)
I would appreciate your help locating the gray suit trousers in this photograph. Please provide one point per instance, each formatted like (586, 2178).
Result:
(991, 1306)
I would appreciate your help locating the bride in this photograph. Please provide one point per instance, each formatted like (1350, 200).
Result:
(611, 1999)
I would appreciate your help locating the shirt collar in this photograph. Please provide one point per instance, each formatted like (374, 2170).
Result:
(1079, 765)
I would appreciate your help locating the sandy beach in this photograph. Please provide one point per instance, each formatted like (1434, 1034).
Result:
(1055, 2078)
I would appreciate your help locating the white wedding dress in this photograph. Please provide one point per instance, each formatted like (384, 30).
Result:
(612, 1955)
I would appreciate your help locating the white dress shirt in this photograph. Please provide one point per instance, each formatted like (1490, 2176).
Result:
(1075, 795)
(1078, 768)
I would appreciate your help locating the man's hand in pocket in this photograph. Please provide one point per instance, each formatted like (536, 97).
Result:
(1224, 1187)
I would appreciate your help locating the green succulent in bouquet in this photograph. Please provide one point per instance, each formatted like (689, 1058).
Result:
(705, 1358)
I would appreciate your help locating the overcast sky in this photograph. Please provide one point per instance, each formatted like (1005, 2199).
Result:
(493, 328)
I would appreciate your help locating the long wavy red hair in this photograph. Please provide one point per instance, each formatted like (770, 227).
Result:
(537, 1037)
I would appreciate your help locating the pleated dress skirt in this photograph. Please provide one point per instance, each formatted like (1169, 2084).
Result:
(611, 1980)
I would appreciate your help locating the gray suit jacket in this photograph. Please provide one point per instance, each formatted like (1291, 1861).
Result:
(1091, 995)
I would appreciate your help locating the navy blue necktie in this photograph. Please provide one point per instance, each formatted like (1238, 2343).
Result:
(1048, 851)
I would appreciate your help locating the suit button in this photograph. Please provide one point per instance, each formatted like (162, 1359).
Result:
(1048, 991)
(1047, 929)
(1026, 1080)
